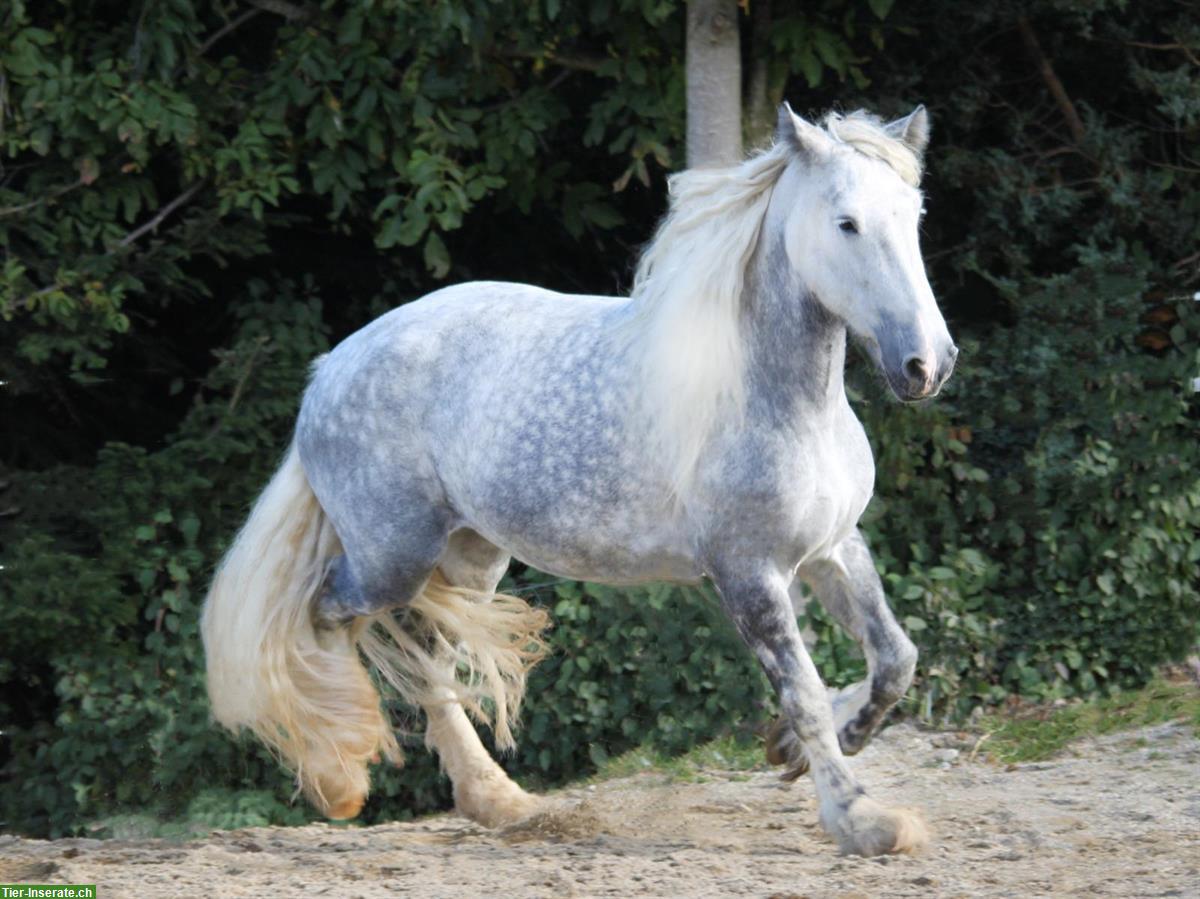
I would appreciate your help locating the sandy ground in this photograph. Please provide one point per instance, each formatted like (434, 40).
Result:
(1117, 816)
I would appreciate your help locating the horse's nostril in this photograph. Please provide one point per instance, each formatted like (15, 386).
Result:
(914, 367)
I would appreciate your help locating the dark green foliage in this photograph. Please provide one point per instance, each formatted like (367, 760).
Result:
(111, 624)
(1056, 552)
(197, 199)
(661, 663)
(1065, 454)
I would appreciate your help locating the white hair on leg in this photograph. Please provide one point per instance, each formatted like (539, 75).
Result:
(305, 692)
(460, 645)
(868, 828)
(482, 791)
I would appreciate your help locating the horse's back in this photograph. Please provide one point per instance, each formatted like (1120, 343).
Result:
(444, 327)
(411, 395)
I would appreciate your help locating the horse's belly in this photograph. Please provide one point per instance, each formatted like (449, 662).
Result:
(621, 541)
(546, 459)
(612, 564)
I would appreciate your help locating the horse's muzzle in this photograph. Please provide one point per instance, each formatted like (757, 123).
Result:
(921, 377)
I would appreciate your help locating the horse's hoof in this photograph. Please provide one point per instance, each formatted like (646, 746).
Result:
(496, 803)
(346, 808)
(336, 787)
(783, 748)
(868, 828)
(774, 742)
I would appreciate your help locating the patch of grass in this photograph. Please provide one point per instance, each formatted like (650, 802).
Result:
(1026, 734)
(142, 826)
(729, 753)
(1032, 735)
(212, 809)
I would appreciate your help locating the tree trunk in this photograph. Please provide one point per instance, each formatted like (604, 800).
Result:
(714, 84)
(760, 107)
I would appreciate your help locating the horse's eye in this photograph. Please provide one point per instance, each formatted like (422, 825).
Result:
(849, 226)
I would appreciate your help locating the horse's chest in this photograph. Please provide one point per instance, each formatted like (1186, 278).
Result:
(830, 478)
(842, 474)
(787, 495)
(840, 493)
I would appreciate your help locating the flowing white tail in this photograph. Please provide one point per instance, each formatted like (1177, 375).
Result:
(305, 692)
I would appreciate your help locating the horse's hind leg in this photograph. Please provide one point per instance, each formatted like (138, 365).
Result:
(850, 589)
(379, 575)
(386, 562)
(482, 791)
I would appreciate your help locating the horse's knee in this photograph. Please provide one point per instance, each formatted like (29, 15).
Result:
(894, 672)
(865, 707)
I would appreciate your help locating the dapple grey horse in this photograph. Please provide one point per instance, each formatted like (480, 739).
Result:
(696, 429)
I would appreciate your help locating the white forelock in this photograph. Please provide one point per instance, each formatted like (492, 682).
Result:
(866, 134)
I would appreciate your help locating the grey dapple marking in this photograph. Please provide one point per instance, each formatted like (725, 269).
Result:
(697, 429)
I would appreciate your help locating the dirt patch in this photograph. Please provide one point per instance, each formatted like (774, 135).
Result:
(1116, 816)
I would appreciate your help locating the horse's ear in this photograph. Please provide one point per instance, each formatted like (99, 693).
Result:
(803, 136)
(912, 130)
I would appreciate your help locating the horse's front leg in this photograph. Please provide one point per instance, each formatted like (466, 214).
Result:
(761, 609)
(849, 587)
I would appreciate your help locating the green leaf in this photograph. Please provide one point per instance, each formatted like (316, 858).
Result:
(437, 257)
(810, 67)
(881, 7)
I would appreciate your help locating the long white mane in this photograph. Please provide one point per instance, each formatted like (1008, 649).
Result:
(687, 290)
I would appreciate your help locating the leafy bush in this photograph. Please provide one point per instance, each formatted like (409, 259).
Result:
(110, 625)
(658, 664)
(1039, 527)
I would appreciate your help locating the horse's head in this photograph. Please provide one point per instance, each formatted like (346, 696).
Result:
(851, 235)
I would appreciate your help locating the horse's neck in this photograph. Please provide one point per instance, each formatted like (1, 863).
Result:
(797, 350)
